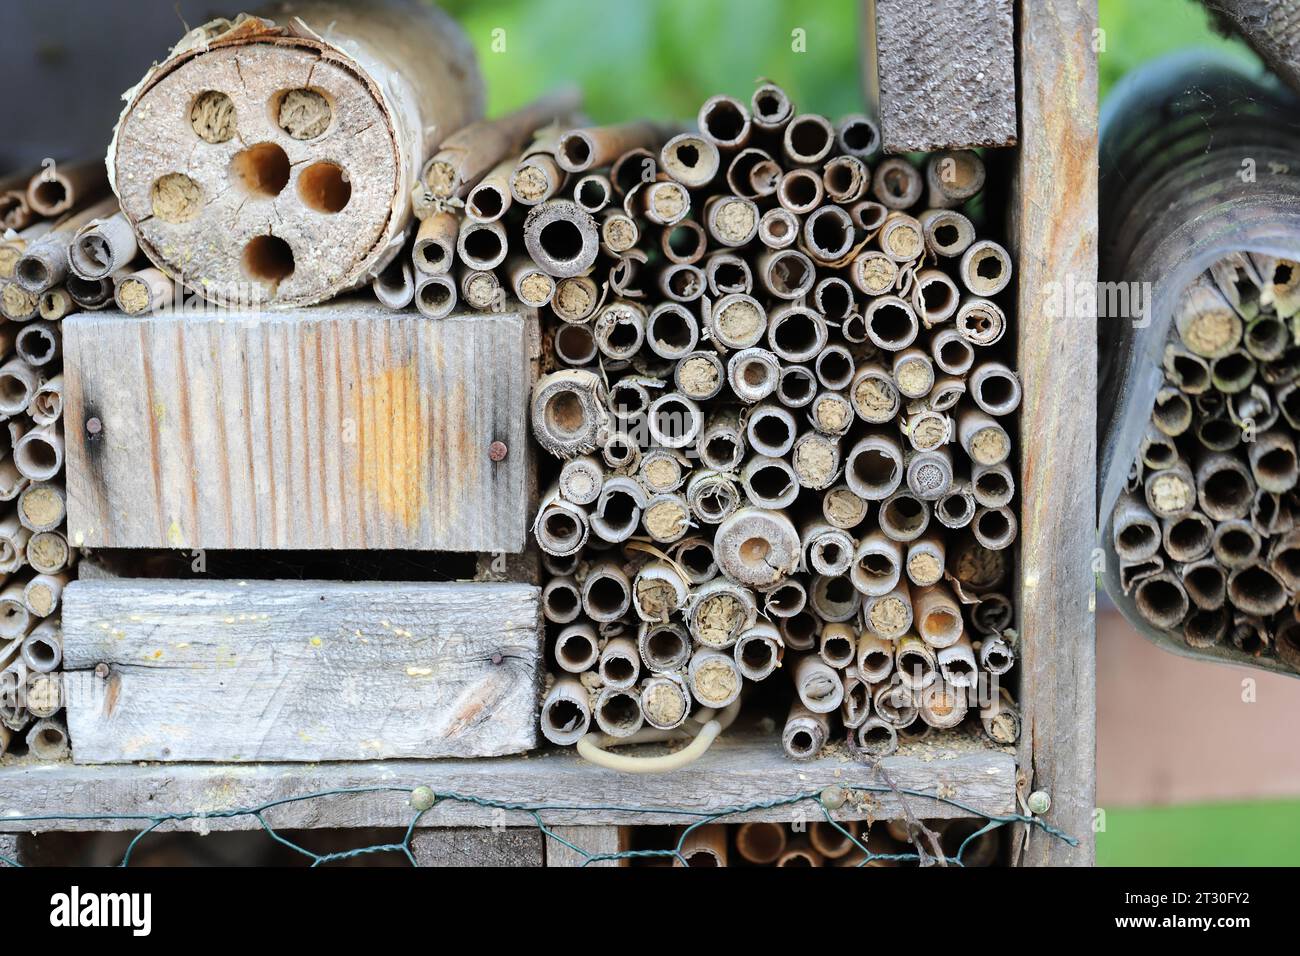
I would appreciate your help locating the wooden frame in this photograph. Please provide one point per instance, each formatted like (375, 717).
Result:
(1053, 233)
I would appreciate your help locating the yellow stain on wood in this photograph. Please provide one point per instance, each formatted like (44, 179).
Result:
(419, 672)
(175, 536)
(316, 642)
(393, 466)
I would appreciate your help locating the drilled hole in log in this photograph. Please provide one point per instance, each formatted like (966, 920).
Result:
(261, 170)
(324, 187)
(268, 259)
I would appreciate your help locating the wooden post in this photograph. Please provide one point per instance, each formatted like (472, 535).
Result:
(478, 846)
(942, 75)
(594, 840)
(1054, 212)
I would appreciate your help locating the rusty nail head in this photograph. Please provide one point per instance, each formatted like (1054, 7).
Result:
(497, 451)
(94, 426)
(497, 658)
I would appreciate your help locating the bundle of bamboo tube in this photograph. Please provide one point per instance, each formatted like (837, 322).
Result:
(65, 248)
(888, 843)
(780, 406)
(1200, 356)
(1206, 530)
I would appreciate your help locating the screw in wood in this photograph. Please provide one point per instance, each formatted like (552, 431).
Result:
(94, 426)
(497, 451)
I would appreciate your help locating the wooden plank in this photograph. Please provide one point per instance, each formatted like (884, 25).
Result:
(300, 670)
(595, 841)
(1271, 27)
(9, 850)
(739, 770)
(342, 426)
(478, 846)
(944, 73)
(1054, 233)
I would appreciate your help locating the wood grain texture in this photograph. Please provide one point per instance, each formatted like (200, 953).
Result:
(944, 73)
(738, 770)
(1271, 27)
(298, 670)
(591, 840)
(8, 849)
(1054, 233)
(478, 846)
(344, 426)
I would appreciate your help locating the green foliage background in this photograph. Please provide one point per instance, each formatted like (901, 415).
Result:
(663, 58)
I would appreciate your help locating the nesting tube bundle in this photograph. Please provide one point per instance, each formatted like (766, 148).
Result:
(1199, 408)
(63, 213)
(271, 159)
(781, 417)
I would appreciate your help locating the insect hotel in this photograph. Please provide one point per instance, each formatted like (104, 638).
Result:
(375, 463)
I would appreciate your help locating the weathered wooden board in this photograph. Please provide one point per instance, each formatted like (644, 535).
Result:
(343, 426)
(738, 770)
(1054, 236)
(943, 73)
(299, 670)
(595, 841)
(1271, 27)
(478, 846)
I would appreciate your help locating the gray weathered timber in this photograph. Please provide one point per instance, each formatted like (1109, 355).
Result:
(9, 850)
(591, 840)
(300, 670)
(343, 426)
(1054, 213)
(944, 73)
(739, 770)
(1271, 27)
(478, 846)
